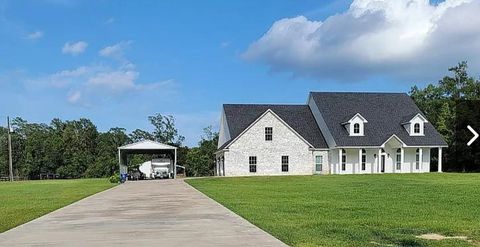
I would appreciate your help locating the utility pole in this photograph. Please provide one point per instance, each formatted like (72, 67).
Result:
(10, 163)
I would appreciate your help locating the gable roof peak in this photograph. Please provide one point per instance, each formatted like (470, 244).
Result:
(364, 120)
(298, 117)
(409, 118)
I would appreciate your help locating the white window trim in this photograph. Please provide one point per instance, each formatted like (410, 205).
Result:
(319, 163)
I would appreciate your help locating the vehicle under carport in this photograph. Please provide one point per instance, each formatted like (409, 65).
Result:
(147, 147)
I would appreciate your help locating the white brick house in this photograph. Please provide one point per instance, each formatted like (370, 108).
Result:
(334, 133)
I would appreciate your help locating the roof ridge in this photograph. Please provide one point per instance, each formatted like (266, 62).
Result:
(344, 92)
(254, 104)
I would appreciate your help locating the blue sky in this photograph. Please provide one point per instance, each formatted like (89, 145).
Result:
(117, 62)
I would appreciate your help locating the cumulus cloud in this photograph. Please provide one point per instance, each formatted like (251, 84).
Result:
(86, 84)
(34, 35)
(115, 51)
(406, 39)
(97, 83)
(75, 48)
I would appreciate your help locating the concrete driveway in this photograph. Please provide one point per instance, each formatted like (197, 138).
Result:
(143, 213)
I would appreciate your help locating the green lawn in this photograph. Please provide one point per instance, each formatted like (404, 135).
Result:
(355, 210)
(24, 201)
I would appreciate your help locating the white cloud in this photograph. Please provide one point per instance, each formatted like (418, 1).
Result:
(34, 35)
(115, 51)
(97, 83)
(86, 84)
(407, 39)
(74, 48)
(74, 97)
(114, 81)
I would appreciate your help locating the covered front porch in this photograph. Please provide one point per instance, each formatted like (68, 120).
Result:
(393, 156)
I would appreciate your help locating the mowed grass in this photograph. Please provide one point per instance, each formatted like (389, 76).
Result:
(23, 201)
(355, 210)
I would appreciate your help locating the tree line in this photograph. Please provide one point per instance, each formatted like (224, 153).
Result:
(76, 149)
(450, 105)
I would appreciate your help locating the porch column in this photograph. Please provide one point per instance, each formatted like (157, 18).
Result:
(332, 167)
(412, 163)
(394, 160)
(372, 165)
(223, 166)
(339, 160)
(439, 159)
(359, 160)
(379, 156)
(420, 152)
(402, 158)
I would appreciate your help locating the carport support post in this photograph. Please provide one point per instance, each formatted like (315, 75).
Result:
(120, 162)
(175, 164)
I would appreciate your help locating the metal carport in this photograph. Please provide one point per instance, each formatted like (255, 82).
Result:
(145, 147)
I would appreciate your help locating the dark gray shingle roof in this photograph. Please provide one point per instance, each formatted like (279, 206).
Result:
(299, 117)
(385, 112)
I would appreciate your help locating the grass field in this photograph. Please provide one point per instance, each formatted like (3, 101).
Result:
(24, 201)
(355, 210)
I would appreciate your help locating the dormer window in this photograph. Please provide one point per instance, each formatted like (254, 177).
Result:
(415, 125)
(356, 128)
(416, 128)
(356, 125)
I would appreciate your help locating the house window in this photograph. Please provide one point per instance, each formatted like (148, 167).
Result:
(416, 128)
(268, 133)
(417, 159)
(364, 159)
(356, 128)
(252, 160)
(399, 159)
(344, 160)
(318, 163)
(284, 163)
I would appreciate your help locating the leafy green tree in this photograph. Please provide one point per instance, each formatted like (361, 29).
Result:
(165, 130)
(3, 152)
(439, 101)
(140, 135)
(201, 159)
(106, 161)
(80, 147)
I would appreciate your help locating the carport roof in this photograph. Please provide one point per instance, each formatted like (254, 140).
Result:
(147, 145)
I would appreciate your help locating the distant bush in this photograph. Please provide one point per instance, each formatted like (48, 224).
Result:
(115, 179)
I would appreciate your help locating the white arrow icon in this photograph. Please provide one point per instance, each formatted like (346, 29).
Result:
(475, 135)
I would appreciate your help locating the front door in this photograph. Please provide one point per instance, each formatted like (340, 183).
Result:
(382, 164)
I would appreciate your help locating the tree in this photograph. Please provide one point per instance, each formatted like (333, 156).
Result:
(201, 159)
(140, 135)
(3, 152)
(165, 130)
(441, 102)
(106, 161)
(80, 138)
